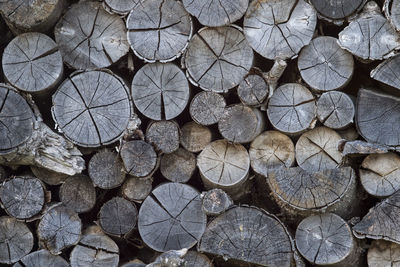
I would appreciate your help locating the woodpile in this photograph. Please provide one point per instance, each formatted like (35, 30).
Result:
(171, 133)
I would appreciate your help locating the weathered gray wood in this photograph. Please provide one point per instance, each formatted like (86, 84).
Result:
(160, 91)
(241, 124)
(216, 13)
(78, 193)
(196, 259)
(31, 16)
(139, 158)
(380, 174)
(16, 119)
(317, 150)
(326, 239)
(382, 221)
(226, 166)
(324, 66)
(42, 258)
(90, 37)
(134, 263)
(106, 169)
(292, 109)
(32, 62)
(337, 10)
(215, 202)
(279, 29)
(121, 7)
(163, 135)
(195, 137)
(217, 59)
(171, 218)
(16, 240)
(118, 216)
(207, 108)
(350, 134)
(170, 258)
(370, 37)
(383, 253)
(301, 193)
(22, 197)
(335, 110)
(137, 189)
(388, 72)
(358, 148)
(92, 108)
(273, 75)
(253, 90)
(48, 176)
(159, 30)
(271, 150)
(391, 10)
(95, 249)
(378, 117)
(178, 166)
(59, 228)
(250, 235)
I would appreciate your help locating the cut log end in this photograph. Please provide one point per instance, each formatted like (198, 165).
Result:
(163, 135)
(178, 166)
(207, 108)
(139, 158)
(195, 137)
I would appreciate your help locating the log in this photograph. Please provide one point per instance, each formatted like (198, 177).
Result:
(48, 176)
(88, 112)
(59, 228)
(338, 10)
(106, 169)
(118, 216)
(388, 72)
(95, 249)
(139, 158)
(195, 137)
(42, 258)
(292, 109)
(216, 13)
(253, 90)
(391, 10)
(170, 258)
(240, 234)
(178, 166)
(22, 197)
(370, 37)
(207, 108)
(78, 193)
(137, 189)
(134, 263)
(217, 59)
(358, 148)
(159, 30)
(381, 221)
(163, 135)
(335, 110)
(241, 124)
(383, 253)
(379, 174)
(171, 217)
(324, 66)
(302, 193)
(216, 202)
(16, 240)
(349, 134)
(378, 117)
(31, 16)
(271, 150)
(160, 91)
(120, 7)
(196, 259)
(226, 166)
(326, 239)
(279, 29)
(32, 63)
(89, 37)
(317, 150)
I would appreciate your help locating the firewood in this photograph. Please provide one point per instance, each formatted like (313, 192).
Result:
(358, 148)
(90, 37)
(217, 59)
(335, 110)
(390, 9)
(195, 137)
(160, 91)
(159, 30)
(118, 216)
(337, 11)
(178, 166)
(207, 108)
(292, 109)
(22, 197)
(16, 240)
(388, 72)
(196, 259)
(139, 157)
(279, 29)
(78, 193)
(48, 176)
(226, 166)
(253, 90)
(137, 189)
(121, 7)
(383, 253)
(32, 63)
(42, 258)
(59, 228)
(215, 202)
(171, 218)
(324, 66)
(163, 135)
